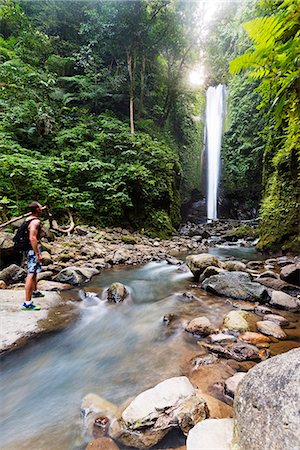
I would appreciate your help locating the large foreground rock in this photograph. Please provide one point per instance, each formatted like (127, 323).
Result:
(211, 434)
(13, 274)
(151, 415)
(198, 263)
(236, 285)
(283, 300)
(267, 405)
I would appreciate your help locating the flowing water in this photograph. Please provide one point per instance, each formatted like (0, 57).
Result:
(115, 351)
(215, 110)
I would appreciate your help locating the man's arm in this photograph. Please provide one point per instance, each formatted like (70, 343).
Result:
(33, 237)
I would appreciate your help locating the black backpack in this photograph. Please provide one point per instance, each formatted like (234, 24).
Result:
(21, 238)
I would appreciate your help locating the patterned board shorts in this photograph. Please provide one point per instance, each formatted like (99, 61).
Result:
(33, 266)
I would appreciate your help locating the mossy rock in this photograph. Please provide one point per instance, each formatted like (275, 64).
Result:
(64, 257)
(127, 239)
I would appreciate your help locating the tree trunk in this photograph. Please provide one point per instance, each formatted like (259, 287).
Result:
(142, 92)
(131, 89)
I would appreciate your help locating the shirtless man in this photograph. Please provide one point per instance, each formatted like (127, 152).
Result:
(34, 257)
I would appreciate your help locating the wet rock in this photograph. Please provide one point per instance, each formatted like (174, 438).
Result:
(271, 329)
(191, 412)
(203, 360)
(216, 408)
(173, 261)
(284, 261)
(116, 293)
(210, 271)
(261, 309)
(75, 275)
(245, 306)
(222, 338)
(254, 338)
(237, 321)
(237, 285)
(151, 415)
(46, 258)
(272, 283)
(239, 351)
(200, 326)
(276, 318)
(198, 263)
(101, 426)
(102, 443)
(231, 384)
(169, 318)
(12, 274)
(267, 405)
(282, 300)
(268, 274)
(291, 274)
(92, 407)
(234, 266)
(211, 434)
(254, 265)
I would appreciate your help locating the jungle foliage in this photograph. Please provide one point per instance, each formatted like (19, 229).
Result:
(95, 111)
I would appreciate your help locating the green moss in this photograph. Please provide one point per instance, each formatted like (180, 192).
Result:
(245, 231)
(128, 239)
(159, 225)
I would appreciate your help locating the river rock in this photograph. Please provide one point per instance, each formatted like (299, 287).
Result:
(262, 309)
(237, 351)
(118, 257)
(209, 271)
(254, 265)
(216, 408)
(284, 261)
(48, 285)
(222, 338)
(191, 412)
(152, 413)
(283, 300)
(102, 443)
(13, 274)
(211, 434)
(116, 293)
(276, 318)
(271, 329)
(267, 405)
(291, 274)
(198, 263)
(268, 274)
(254, 338)
(203, 360)
(46, 258)
(231, 384)
(3, 285)
(237, 285)
(237, 321)
(245, 306)
(93, 406)
(75, 275)
(200, 326)
(234, 266)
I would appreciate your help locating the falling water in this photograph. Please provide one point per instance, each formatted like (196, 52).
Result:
(215, 111)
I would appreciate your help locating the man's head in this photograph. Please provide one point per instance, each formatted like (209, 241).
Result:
(35, 208)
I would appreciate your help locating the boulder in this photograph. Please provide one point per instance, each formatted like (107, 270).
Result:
(237, 321)
(151, 415)
(75, 275)
(45, 275)
(211, 434)
(8, 255)
(46, 258)
(198, 263)
(200, 326)
(237, 285)
(209, 271)
(237, 351)
(291, 274)
(234, 266)
(276, 318)
(267, 403)
(116, 293)
(254, 338)
(231, 384)
(118, 257)
(271, 329)
(13, 274)
(102, 443)
(283, 300)
(47, 285)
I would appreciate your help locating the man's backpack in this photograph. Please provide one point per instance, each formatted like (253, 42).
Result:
(21, 238)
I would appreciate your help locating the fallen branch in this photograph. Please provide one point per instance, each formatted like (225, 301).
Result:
(5, 224)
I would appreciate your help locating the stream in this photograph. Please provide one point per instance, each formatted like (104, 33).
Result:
(115, 351)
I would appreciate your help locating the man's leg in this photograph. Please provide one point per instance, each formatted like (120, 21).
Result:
(30, 286)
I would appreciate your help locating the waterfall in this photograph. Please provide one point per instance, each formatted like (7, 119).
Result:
(215, 112)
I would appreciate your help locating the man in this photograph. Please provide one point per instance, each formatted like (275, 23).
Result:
(34, 257)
